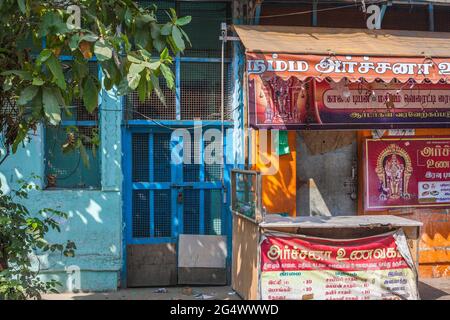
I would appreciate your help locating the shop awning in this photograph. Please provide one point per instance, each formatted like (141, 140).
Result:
(338, 53)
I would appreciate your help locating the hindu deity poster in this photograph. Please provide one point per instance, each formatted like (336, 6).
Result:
(407, 172)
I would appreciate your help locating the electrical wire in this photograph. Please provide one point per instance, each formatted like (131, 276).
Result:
(317, 10)
(356, 4)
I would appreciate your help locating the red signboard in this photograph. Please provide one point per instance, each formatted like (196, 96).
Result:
(291, 104)
(303, 268)
(407, 172)
(317, 92)
(350, 67)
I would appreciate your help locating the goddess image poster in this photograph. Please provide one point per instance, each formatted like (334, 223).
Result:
(406, 172)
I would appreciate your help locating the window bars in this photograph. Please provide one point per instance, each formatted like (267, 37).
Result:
(67, 170)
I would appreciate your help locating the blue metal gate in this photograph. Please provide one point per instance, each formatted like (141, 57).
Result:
(165, 198)
(171, 198)
(162, 199)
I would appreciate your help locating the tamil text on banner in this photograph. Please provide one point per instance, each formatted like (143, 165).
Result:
(286, 94)
(407, 172)
(306, 268)
(351, 67)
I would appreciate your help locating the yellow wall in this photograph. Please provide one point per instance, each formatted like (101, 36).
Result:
(278, 190)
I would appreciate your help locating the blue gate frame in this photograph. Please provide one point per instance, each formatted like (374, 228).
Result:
(143, 126)
(151, 126)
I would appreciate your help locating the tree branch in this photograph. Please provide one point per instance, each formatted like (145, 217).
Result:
(5, 156)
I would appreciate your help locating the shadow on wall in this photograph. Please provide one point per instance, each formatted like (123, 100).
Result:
(325, 181)
(279, 178)
(94, 222)
(428, 292)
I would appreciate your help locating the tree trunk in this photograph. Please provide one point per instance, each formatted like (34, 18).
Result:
(3, 259)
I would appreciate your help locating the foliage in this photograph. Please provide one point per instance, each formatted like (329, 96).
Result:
(131, 46)
(21, 234)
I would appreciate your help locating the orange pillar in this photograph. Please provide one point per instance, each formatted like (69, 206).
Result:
(279, 175)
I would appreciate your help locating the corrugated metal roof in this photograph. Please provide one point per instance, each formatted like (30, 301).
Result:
(343, 41)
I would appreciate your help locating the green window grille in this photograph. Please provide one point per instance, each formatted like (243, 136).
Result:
(198, 70)
(67, 170)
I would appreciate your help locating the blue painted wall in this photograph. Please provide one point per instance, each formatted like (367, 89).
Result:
(95, 216)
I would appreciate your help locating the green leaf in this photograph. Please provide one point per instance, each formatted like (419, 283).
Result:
(37, 81)
(152, 65)
(21, 135)
(169, 76)
(136, 68)
(173, 13)
(142, 89)
(43, 56)
(7, 84)
(110, 74)
(155, 31)
(90, 94)
(145, 54)
(22, 6)
(142, 37)
(52, 24)
(159, 44)
(133, 59)
(74, 42)
(146, 18)
(186, 37)
(165, 55)
(55, 67)
(51, 106)
(133, 76)
(177, 38)
(126, 42)
(157, 89)
(25, 75)
(27, 95)
(89, 38)
(80, 69)
(183, 21)
(123, 88)
(167, 29)
(128, 17)
(102, 50)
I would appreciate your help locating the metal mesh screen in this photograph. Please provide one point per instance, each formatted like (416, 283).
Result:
(191, 171)
(161, 157)
(77, 108)
(34, 46)
(152, 108)
(200, 82)
(162, 6)
(67, 170)
(201, 91)
(140, 157)
(204, 29)
(245, 194)
(141, 214)
(191, 211)
(213, 171)
(213, 213)
(162, 214)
